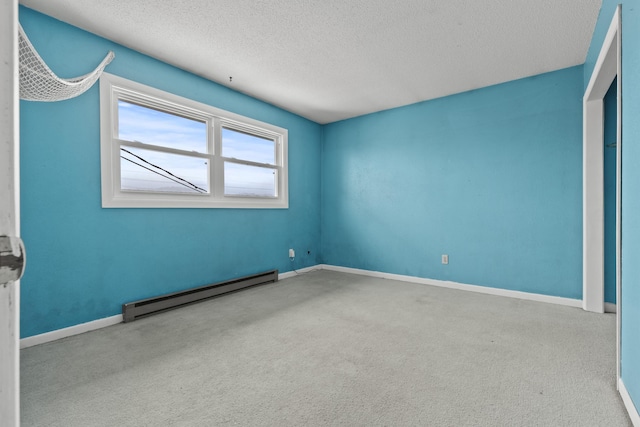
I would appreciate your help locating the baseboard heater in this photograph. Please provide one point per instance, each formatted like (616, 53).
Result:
(147, 307)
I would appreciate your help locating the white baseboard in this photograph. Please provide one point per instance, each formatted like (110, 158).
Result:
(70, 331)
(294, 273)
(610, 307)
(460, 286)
(109, 321)
(628, 403)
(113, 320)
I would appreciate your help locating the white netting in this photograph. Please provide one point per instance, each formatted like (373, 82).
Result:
(39, 83)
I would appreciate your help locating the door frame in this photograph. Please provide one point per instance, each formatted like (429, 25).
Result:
(607, 67)
(9, 211)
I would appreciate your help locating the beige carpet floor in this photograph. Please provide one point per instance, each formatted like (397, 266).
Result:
(334, 349)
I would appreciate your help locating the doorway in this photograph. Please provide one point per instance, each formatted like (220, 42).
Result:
(607, 70)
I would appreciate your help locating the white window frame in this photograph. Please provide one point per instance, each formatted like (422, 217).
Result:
(113, 88)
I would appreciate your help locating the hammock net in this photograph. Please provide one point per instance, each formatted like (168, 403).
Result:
(39, 83)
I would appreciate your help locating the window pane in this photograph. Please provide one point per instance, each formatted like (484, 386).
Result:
(154, 171)
(143, 124)
(249, 181)
(244, 146)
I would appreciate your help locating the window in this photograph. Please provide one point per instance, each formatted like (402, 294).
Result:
(162, 150)
(249, 164)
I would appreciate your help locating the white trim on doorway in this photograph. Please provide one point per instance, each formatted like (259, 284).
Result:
(628, 403)
(607, 67)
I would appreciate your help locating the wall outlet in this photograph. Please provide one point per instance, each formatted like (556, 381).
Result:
(292, 253)
(445, 259)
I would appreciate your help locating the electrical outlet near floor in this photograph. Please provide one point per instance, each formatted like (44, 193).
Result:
(445, 259)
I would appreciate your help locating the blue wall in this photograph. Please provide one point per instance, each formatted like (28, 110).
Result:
(492, 177)
(630, 300)
(85, 261)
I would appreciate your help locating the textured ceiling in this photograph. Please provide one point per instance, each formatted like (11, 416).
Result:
(329, 60)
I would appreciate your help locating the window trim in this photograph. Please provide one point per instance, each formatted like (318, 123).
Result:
(113, 88)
